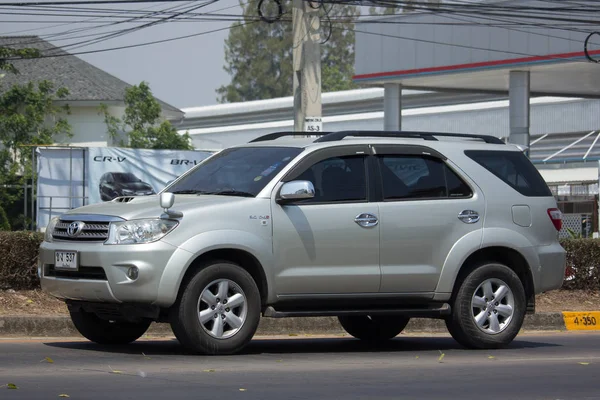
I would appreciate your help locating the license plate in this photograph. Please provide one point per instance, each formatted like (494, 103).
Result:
(66, 260)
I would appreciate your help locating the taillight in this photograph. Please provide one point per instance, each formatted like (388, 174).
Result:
(556, 217)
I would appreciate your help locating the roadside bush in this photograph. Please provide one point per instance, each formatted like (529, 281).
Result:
(19, 255)
(583, 264)
(4, 224)
(18, 260)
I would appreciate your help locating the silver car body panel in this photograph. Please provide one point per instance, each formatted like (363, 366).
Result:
(415, 248)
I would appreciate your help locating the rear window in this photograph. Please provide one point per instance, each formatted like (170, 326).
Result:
(515, 169)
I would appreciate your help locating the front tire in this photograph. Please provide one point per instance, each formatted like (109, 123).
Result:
(489, 308)
(373, 327)
(102, 331)
(218, 310)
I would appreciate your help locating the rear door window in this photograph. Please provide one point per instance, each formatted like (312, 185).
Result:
(514, 169)
(419, 177)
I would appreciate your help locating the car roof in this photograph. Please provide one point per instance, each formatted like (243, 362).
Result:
(434, 140)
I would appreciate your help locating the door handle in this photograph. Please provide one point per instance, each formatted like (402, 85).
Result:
(366, 220)
(469, 216)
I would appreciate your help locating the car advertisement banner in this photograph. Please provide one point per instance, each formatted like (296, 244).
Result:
(117, 171)
(61, 182)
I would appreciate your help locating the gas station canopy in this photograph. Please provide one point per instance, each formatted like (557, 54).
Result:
(446, 51)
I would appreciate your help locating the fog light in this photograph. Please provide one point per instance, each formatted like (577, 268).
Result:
(132, 273)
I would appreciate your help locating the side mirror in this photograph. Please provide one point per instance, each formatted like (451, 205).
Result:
(296, 190)
(167, 199)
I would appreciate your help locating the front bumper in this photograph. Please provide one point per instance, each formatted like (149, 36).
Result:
(102, 274)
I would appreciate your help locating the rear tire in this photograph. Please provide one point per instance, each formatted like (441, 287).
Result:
(102, 331)
(218, 310)
(373, 328)
(489, 307)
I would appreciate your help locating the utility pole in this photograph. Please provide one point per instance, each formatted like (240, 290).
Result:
(307, 66)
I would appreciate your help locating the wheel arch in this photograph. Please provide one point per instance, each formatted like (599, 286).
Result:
(508, 256)
(251, 252)
(243, 258)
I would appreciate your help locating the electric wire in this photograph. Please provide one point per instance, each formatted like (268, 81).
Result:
(67, 54)
(109, 36)
(484, 11)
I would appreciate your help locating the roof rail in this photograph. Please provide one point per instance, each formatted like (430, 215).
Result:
(400, 134)
(277, 135)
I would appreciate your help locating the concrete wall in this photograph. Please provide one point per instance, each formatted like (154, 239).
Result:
(88, 126)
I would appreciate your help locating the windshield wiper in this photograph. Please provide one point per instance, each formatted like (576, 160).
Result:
(190, 191)
(232, 192)
(228, 192)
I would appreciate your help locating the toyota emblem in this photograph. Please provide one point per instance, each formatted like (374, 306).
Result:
(75, 228)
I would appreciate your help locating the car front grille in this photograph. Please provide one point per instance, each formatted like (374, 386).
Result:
(91, 273)
(91, 232)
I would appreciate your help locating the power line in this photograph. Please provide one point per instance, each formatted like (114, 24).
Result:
(65, 54)
(137, 28)
(83, 29)
(131, 20)
(213, 12)
(460, 45)
(63, 24)
(68, 3)
(189, 16)
(505, 24)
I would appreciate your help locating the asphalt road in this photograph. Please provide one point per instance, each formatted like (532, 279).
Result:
(545, 366)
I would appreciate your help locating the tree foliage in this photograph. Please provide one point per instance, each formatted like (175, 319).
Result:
(4, 224)
(258, 55)
(142, 123)
(7, 53)
(28, 116)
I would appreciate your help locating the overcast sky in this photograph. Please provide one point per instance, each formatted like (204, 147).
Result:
(184, 73)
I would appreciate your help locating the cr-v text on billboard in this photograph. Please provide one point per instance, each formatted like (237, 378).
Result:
(115, 172)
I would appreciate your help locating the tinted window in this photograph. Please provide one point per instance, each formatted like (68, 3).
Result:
(125, 177)
(515, 169)
(417, 177)
(243, 171)
(337, 179)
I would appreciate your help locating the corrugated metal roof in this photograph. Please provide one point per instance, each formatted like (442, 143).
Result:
(556, 122)
(334, 104)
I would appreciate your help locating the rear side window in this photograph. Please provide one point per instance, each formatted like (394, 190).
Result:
(418, 177)
(515, 169)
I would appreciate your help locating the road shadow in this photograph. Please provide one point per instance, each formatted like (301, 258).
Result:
(344, 345)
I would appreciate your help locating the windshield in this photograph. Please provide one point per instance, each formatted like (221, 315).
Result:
(125, 177)
(241, 171)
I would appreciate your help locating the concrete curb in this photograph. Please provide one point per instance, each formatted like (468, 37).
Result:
(61, 326)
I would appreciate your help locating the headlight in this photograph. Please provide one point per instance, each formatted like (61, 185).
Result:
(50, 229)
(128, 192)
(139, 231)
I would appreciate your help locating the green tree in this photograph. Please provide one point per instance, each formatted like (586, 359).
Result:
(7, 53)
(258, 55)
(4, 224)
(142, 123)
(28, 116)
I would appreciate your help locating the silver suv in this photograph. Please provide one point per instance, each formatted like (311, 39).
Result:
(373, 228)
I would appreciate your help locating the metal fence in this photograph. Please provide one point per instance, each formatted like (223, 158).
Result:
(579, 225)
